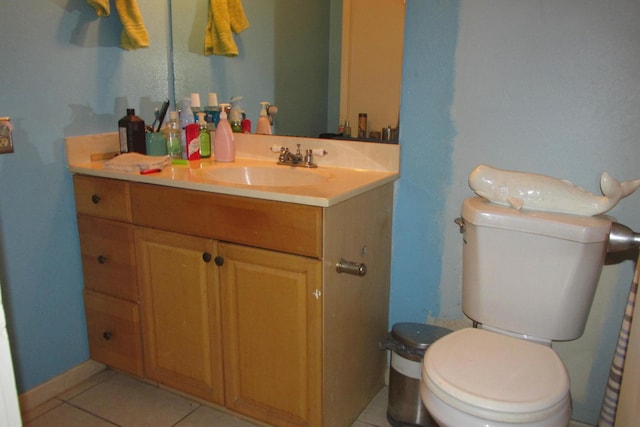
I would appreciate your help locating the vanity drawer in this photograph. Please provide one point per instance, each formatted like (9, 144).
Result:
(286, 227)
(106, 198)
(113, 326)
(108, 257)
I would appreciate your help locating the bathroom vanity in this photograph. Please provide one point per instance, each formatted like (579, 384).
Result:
(229, 291)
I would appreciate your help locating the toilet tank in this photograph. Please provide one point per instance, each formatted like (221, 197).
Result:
(531, 272)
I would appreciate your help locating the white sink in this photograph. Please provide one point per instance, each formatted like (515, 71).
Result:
(268, 176)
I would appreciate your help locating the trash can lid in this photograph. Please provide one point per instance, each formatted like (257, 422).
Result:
(417, 335)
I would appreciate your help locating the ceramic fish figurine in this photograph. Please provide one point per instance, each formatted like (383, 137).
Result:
(544, 193)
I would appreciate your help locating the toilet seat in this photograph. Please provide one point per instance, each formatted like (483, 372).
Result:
(496, 377)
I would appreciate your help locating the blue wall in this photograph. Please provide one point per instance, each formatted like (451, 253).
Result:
(62, 73)
(426, 138)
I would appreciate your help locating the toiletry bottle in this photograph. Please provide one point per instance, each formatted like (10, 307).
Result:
(235, 117)
(173, 136)
(245, 124)
(347, 129)
(212, 110)
(192, 132)
(205, 138)
(186, 118)
(132, 133)
(195, 106)
(362, 125)
(264, 127)
(224, 146)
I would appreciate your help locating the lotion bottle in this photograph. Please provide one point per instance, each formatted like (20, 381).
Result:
(264, 127)
(224, 146)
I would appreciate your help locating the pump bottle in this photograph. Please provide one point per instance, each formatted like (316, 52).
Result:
(224, 146)
(264, 127)
(205, 138)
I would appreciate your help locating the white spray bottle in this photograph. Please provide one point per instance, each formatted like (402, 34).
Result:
(224, 146)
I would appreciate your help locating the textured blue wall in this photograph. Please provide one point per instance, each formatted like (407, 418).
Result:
(426, 138)
(61, 74)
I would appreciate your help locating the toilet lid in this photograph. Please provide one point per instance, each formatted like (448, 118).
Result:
(495, 376)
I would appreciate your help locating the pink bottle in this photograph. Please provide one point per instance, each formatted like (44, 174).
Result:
(224, 146)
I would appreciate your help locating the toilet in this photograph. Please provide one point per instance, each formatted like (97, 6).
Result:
(528, 278)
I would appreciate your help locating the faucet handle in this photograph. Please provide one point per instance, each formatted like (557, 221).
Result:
(276, 148)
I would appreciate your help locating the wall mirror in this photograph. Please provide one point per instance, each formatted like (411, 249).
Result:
(320, 63)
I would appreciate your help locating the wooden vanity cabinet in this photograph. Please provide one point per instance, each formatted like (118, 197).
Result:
(108, 264)
(241, 303)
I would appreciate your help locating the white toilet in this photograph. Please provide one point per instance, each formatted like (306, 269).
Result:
(528, 279)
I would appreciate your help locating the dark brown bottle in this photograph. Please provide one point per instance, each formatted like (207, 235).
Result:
(131, 130)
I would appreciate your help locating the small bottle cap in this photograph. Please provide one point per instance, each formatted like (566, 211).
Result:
(195, 100)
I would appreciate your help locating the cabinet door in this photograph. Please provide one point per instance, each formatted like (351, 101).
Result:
(272, 309)
(179, 302)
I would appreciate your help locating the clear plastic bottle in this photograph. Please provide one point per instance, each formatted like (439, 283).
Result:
(173, 136)
(205, 138)
(224, 146)
(186, 118)
(132, 133)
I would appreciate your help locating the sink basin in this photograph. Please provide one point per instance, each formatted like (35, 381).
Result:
(271, 176)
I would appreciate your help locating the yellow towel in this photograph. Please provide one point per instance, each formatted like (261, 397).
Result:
(225, 17)
(134, 33)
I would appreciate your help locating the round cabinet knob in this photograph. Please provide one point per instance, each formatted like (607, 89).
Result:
(219, 261)
(101, 259)
(95, 199)
(206, 257)
(106, 335)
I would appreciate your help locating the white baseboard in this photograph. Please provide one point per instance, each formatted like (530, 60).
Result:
(33, 398)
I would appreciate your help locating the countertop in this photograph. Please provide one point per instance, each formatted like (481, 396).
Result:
(349, 168)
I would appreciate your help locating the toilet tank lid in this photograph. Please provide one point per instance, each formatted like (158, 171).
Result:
(578, 228)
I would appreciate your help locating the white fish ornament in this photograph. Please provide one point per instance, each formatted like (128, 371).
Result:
(544, 193)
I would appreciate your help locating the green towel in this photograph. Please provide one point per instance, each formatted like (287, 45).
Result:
(225, 17)
(134, 33)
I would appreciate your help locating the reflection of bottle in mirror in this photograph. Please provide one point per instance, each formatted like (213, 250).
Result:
(264, 127)
(347, 129)
(362, 125)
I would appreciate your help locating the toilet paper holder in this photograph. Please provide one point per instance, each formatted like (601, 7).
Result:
(350, 267)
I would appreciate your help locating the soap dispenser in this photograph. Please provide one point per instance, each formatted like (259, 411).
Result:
(235, 117)
(224, 146)
(264, 126)
(205, 138)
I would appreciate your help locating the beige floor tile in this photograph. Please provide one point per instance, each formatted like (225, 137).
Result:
(207, 417)
(86, 385)
(376, 412)
(66, 415)
(131, 403)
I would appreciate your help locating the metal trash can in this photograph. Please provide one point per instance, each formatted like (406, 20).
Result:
(408, 343)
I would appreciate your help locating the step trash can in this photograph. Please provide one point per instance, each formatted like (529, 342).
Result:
(408, 343)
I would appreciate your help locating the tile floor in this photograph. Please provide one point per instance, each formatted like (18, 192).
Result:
(112, 399)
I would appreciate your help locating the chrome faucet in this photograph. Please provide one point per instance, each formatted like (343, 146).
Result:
(288, 158)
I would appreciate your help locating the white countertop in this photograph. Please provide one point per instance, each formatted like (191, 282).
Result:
(350, 168)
